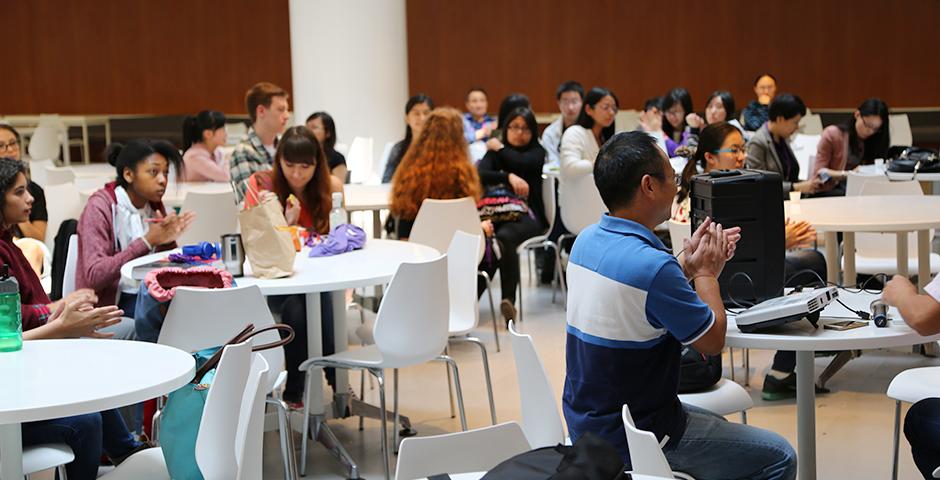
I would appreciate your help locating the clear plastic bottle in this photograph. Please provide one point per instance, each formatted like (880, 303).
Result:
(338, 213)
(11, 319)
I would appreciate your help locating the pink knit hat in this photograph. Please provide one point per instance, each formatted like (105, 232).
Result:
(162, 282)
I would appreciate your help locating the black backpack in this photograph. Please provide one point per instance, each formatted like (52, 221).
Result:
(590, 458)
(697, 371)
(913, 160)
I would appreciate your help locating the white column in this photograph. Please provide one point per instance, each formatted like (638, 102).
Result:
(350, 58)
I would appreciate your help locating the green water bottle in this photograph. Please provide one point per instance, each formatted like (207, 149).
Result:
(11, 318)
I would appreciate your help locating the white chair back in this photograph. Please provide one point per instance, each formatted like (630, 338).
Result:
(461, 452)
(37, 171)
(438, 220)
(627, 120)
(899, 130)
(409, 332)
(811, 124)
(200, 318)
(215, 452)
(580, 203)
(250, 433)
(678, 232)
(541, 419)
(854, 182)
(44, 143)
(548, 200)
(462, 281)
(63, 202)
(383, 160)
(645, 454)
(91, 183)
(359, 160)
(71, 262)
(59, 175)
(884, 245)
(235, 132)
(216, 215)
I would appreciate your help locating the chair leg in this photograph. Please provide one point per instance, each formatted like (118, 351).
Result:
(286, 437)
(489, 293)
(395, 425)
(306, 430)
(362, 394)
(744, 417)
(731, 355)
(747, 367)
(63, 474)
(486, 373)
(453, 366)
(897, 439)
(519, 292)
(380, 379)
(561, 277)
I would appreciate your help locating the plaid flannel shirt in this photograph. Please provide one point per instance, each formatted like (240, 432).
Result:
(249, 157)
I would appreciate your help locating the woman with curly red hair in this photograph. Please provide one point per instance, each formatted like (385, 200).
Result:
(436, 166)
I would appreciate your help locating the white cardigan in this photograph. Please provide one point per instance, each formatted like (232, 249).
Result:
(578, 151)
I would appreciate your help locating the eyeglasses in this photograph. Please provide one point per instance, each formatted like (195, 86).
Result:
(516, 128)
(608, 107)
(869, 127)
(570, 102)
(9, 147)
(734, 150)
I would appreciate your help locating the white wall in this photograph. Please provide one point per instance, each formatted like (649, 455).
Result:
(350, 58)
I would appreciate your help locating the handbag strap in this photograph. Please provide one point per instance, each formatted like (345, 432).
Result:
(246, 334)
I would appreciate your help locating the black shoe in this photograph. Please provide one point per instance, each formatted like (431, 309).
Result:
(776, 389)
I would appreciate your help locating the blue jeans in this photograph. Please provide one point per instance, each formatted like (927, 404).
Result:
(714, 448)
(87, 435)
(922, 429)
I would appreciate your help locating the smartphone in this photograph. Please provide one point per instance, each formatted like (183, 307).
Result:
(824, 177)
(844, 325)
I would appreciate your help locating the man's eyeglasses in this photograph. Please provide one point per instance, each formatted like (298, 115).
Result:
(12, 145)
(735, 150)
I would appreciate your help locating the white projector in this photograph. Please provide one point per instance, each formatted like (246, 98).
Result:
(789, 308)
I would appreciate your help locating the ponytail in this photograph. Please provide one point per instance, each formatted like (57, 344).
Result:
(193, 126)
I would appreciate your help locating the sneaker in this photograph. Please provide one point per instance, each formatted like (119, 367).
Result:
(508, 310)
(120, 458)
(776, 389)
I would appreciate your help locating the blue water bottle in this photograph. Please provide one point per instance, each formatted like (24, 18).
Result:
(11, 319)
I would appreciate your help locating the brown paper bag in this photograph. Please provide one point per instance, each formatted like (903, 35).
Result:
(269, 249)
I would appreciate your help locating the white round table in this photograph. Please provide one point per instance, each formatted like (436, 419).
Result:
(59, 378)
(374, 198)
(805, 340)
(898, 214)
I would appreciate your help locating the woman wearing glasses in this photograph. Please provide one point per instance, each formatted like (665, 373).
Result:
(35, 227)
(858, 141)
(581, 142)
(676, 105)
(721, 147)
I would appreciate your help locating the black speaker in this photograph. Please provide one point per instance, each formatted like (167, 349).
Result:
(752, 200)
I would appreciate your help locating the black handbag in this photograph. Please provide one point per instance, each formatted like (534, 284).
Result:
(913, 160)
(697, 371)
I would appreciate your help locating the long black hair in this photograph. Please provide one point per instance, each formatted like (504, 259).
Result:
(329, 126)
(194, 125)
(9, 170)
(875, 146)
(510, 103)
(677, 95)
(710, 139)
(592, 98)
(412, 103)
(726, 100)
(128, 155)
(529, 118)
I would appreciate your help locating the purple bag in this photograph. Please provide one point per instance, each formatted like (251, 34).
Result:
(344, 238)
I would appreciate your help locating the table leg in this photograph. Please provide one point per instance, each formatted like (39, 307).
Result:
(902, 254)
(11, 451)
(340, 337)
(376, 224)
(832, 256)
(923, 258)
(314, 349)
(806, 415)
(848, 253)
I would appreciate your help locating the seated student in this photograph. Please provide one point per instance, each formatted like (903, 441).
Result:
(510, 102)
(436, 166)
(676, 105)
(35, 225)
(417, 110)
(858, 141)
(721, 147)
(651, 121)
(203, 136)
(569, 95)
(477, 124)
(769, 149)
(300, 171)
(268, 111)
(757, 112)
(718, 108)
(70, 317)
(580, 142)
(126, 219)
(324, 128)
(922, 313)
(630, 311)
(518, 165)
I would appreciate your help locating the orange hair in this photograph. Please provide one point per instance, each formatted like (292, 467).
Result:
(436, 166)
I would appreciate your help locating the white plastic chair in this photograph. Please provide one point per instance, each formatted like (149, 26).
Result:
(911, 386)
(235, 132)
(37, 171)
(646, 456)
(811, 124)
(45, 142)
(63, 203)
(406, 333)
(854, 182)
(899, 130)
(37, 458)
(679, 231)
(542, 241)
(724, 398)
(91, 183)
(580, 203)
(221, 313)
(383, 160)
(463, 452)
(627, 120)
(435, 225)
(250, 434)
(360, 160)
(216, 215)
(541, 419)
(877, 252)
(71, 266)
(59, 175)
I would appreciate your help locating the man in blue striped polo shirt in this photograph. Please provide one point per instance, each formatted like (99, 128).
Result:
(630, 311)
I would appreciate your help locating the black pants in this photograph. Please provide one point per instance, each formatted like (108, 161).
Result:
(796, 261)
(510, 235)
(293, 311)
(922, 429)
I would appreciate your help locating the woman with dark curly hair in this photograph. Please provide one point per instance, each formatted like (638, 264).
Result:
(436, 166)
